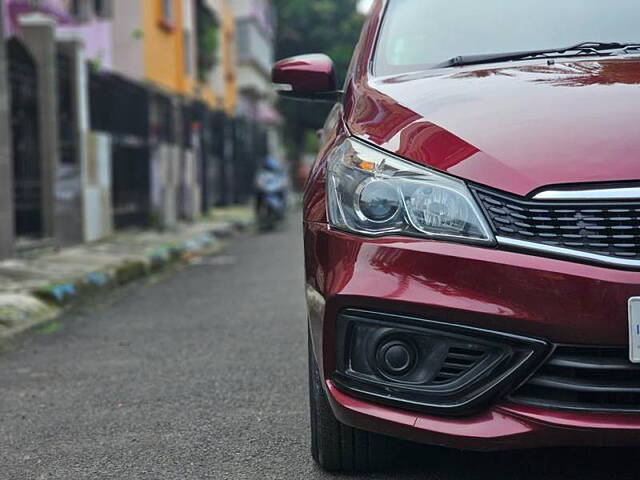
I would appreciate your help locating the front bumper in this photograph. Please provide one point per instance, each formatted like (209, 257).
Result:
(558, 301)
(502, 427)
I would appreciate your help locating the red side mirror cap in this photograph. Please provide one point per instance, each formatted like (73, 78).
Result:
(310, 77)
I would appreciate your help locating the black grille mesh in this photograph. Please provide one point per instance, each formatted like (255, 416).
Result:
(585, 378)
(460, 361)
(610, 229)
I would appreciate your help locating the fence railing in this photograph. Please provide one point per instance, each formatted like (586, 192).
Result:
(226, 149)
(151, 156)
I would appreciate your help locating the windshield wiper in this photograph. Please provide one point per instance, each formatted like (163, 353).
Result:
(589, 48)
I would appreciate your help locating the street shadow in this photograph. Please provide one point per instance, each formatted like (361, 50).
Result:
(428, 463)
(419, 462)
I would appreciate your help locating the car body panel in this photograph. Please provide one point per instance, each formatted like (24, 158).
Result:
(499, 428)
(557, 300)
(552, 299)
(515, 127)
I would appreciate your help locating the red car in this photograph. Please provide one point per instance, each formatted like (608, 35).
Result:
(472, 230)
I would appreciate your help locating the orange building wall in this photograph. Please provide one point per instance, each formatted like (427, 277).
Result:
(226, 98)
(164, 48)
(164, 53)
(228, 59)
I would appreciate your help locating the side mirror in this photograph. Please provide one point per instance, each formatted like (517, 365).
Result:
(307, 77)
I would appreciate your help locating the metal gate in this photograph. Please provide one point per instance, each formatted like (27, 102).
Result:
(131, 190)
(245, 159)
(217, 128)
(228, 155)
(66, 118)
(27, 169)
(121, 108)
(210, 161)
(197, 114)
(163, 129)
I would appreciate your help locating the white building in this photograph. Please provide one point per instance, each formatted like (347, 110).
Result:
(255, 39)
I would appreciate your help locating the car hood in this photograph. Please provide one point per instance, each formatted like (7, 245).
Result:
(516, 128)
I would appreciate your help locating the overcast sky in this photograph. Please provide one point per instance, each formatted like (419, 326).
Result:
(365, 5)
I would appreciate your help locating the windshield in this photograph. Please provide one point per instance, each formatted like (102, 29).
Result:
(418, 34)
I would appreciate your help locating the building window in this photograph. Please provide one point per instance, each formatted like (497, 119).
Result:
(80, 9)
(167, 12)
(207, 38)
(188, 53)
(103, 8)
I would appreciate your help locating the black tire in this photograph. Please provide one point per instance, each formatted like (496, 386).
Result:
(336, 447)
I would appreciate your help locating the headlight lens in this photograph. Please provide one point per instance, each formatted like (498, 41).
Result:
(374, 193)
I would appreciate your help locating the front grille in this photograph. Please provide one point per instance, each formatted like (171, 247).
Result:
(585, 378)
(460, 361)
(610, 229)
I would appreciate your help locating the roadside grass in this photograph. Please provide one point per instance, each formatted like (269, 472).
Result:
(49, 328)
(245, 212)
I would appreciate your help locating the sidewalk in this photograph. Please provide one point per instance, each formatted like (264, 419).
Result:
(37, 288)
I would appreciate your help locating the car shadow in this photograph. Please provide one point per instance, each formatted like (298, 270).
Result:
(558, 463)
(428, 463)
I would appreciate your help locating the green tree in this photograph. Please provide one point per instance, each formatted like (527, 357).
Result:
(314, 26)
(207, 39)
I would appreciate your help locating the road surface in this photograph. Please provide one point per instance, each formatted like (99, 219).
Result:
(202, 374)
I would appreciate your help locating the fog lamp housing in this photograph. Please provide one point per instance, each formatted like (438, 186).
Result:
(429, 366)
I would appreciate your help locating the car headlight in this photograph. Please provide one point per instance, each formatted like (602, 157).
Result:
(374, 193)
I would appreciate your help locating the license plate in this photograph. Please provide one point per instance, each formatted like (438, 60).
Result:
(634, 329)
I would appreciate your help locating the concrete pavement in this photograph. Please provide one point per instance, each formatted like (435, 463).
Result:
(36, 285)
(202, 375)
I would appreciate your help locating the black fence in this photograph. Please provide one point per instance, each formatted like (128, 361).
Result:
(118, 106)
(163, 126)
(131, 188)
(227, 176)
(66, 115)
(122, 109)
(250, 147)
(227, 150)
(198, 119)
(219, 144)
(25, 128)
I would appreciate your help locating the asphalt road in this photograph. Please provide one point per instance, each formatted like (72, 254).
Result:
(202, 374)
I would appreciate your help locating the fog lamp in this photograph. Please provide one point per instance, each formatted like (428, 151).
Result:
(428, 365)
(396, 357)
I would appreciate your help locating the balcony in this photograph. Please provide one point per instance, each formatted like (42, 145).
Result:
(254, 47)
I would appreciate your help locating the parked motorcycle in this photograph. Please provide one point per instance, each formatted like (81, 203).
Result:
(272, 187)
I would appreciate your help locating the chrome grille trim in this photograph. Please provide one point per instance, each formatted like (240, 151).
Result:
(632, 193)
(567, 252)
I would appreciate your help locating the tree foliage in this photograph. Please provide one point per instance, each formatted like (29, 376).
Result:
(314, 26)
(207, 39)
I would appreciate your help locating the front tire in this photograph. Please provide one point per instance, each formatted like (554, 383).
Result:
(337, 447)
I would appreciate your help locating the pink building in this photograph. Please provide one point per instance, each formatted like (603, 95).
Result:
(89, 20)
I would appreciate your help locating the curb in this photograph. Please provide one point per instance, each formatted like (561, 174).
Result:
(21, 312)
